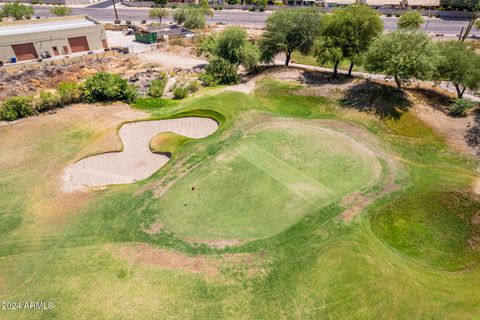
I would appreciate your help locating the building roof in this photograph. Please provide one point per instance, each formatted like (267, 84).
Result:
(42, 25)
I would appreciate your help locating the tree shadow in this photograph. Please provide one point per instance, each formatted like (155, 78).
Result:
(383, 101)
(322, 77)
(437, 100)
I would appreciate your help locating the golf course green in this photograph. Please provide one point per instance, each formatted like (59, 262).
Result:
(297, 207)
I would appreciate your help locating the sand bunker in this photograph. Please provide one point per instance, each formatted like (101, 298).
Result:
(136, 161)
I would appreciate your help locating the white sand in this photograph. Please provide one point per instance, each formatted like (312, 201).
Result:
(136, 161)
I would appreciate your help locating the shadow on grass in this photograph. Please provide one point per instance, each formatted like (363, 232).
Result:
(434, 99)
(383, 101)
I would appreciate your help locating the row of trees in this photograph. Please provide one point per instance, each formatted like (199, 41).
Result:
(352, 34)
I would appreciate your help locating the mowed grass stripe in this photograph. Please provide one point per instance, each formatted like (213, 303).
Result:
(296, 181)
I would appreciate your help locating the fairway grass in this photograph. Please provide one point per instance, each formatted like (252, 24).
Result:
(276, 176)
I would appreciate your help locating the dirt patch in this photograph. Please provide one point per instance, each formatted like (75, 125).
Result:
(172, 59)
(476, 186)
(229, 265)
(452, 129)
(154, 228)
(145, 254)
(221, 244)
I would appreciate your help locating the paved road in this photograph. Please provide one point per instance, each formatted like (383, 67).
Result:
(244, 18)
(103, 4)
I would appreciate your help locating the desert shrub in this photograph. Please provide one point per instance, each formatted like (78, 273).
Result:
(60, 11)
(194, 19)
(180, 92)
(69, 92)
(460, 106)
(209, 79)
(104, 86)
(47, 101)
(193, 86)
(16, 107)
(157, 87)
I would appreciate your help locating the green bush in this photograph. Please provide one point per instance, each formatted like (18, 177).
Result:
(180, 92)
(193, 86)
(47, 101)
(209, 79)
(16, 107)
(194, 19)
(460, 106)
(191, 18)
(157, 87)
(60, 11)
(69, 92)
(16, 11)
(104, 86)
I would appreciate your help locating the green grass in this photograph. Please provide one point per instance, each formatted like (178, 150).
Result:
(285, 172)
(393, 261)
(309, 60)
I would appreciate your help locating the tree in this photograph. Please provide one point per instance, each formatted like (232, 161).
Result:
(326, 51)
(347, 34)
(229, 50)
(60, 11)
(289, 30)
(459, 64)
(205, 6)
(16, 11)
(158, 13)
(402, 55)
(262, 4)
(410, 21)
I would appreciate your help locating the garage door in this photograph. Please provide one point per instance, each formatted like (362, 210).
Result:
(78, 44)
(25, 51)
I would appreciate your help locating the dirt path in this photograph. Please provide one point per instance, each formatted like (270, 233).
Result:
(136, 161)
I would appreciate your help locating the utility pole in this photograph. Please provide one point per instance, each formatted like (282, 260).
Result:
(471, 23)
(429, 14)
(115, 9)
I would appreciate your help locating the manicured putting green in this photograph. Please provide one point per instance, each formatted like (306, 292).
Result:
(264, 182)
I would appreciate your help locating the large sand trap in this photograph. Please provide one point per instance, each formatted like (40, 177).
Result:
(136, 161)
